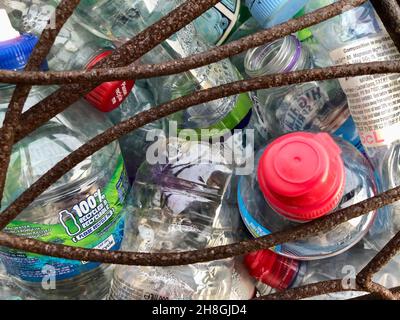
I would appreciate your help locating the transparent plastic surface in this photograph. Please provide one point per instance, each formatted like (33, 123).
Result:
(177, 207)
(351, 25)
(75, 47)
(53, 215)
(359, 185)
(346, 266)
(135, 144)
(213, 26)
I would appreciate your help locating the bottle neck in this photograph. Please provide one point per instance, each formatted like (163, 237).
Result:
(281, 56)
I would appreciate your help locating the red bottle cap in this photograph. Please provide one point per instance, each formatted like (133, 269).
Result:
(109, 95)
(272, 269)
(302, 175)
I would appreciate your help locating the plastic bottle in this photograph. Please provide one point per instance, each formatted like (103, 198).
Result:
(227, 113)
(252, 25)
(273, 271)
(177, 207)
(315, 106)
(243, 284)
(93, 193)
(355, 36)
(300, 177)
(75, 48)
(135, 144)
(8, 289)
(214, 26)
(269, 13)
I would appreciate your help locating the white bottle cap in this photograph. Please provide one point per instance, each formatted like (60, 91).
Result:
(7, 30)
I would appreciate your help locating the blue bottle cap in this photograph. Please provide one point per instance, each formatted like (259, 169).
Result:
(14, 53)
(269, 13)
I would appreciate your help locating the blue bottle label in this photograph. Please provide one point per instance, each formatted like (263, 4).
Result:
(348, 132)
(256, 229)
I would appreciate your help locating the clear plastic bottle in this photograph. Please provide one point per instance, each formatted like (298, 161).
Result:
(269, 13)
(214, 26)
(78, 48)
(227, 113)
(302, 176)
(177, 207)
(260, 15)
(8, 289)
(75, 48)
(83, 208)
(273, 271)
(315, 106)
(356, 36)
(243, 285)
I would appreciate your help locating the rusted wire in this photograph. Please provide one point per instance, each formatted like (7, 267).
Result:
(310, 290)
(144, 42)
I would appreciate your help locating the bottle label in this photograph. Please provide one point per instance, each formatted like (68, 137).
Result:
(216, 24)
(348, 132)
(256, 229)
(303, 105)
(374, 100)
(95, 221)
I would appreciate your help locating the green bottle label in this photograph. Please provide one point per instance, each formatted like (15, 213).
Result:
(239, 112)
(93, 220)
(241, 109)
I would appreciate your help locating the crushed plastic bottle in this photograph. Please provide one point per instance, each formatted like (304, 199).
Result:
(135, 144)
(303, 176)
(177, 207)
(227, 113)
